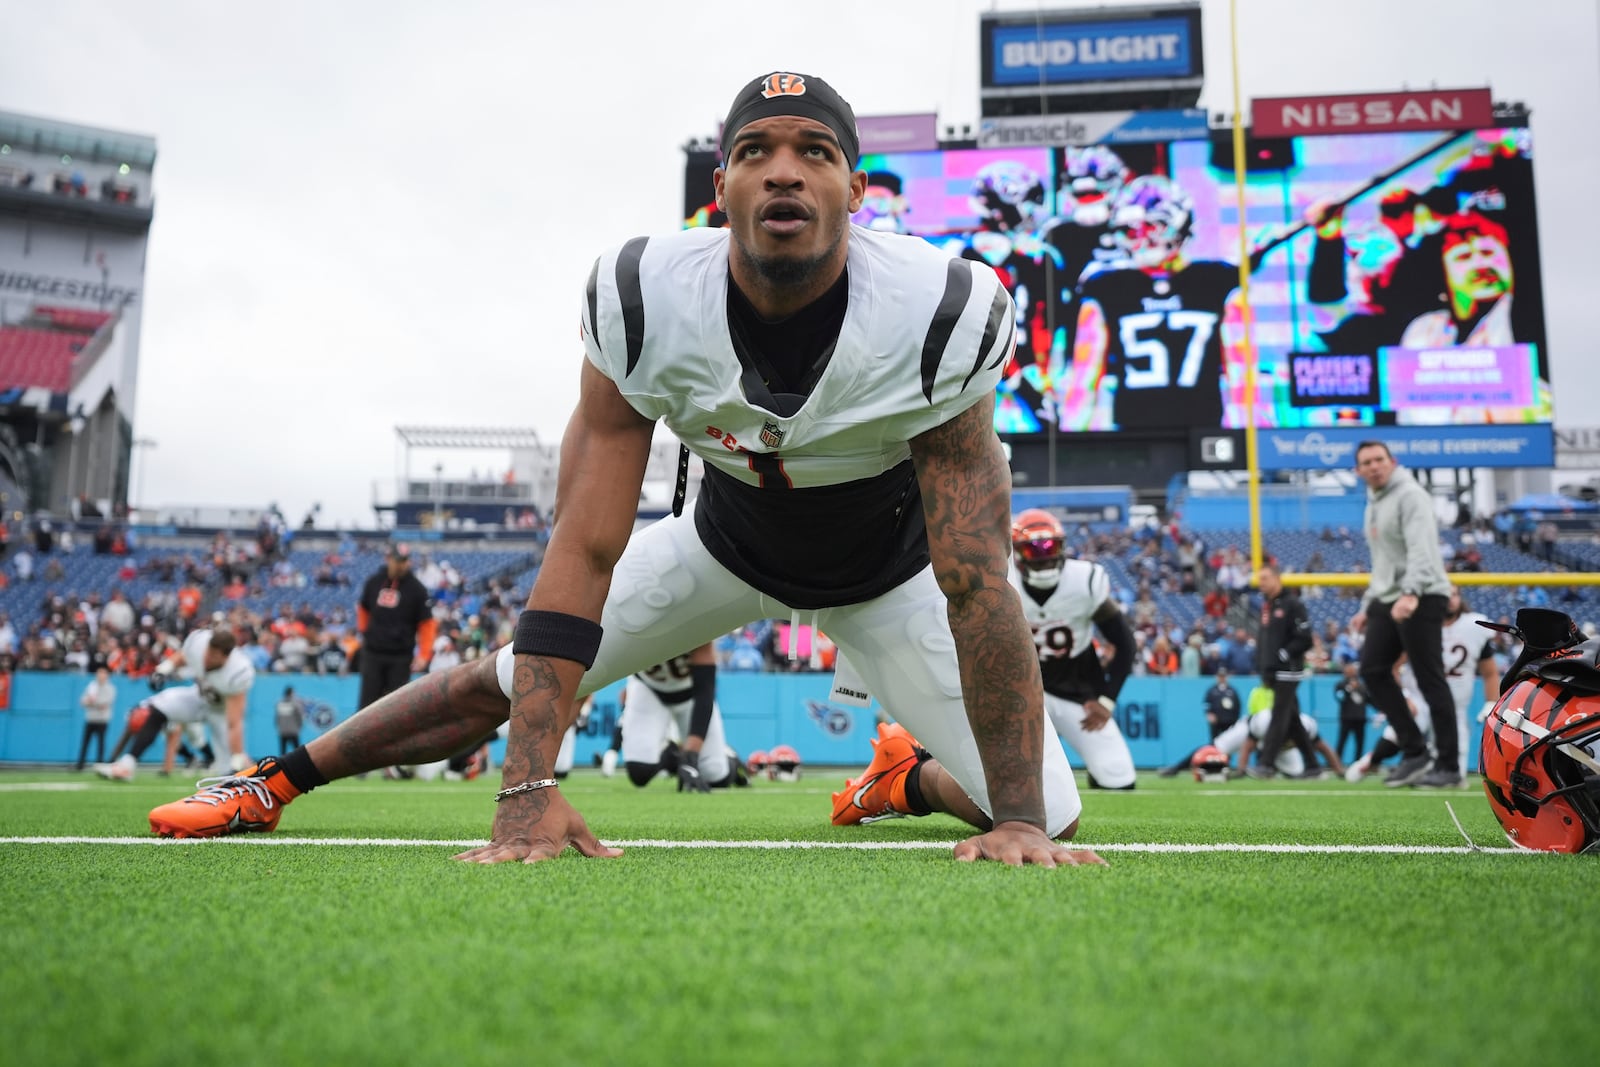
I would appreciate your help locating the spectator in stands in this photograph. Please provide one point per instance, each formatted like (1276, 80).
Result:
(8, 635)
(22, 565)
(330, 658)
(1189, 659)
(1545, 535)
(1161, 660)
(1239, 655)
(44, 536)
(1215, 602)
(445, 655)
(97, 700)
(294, 651)
(117, 616)
(1346, 648)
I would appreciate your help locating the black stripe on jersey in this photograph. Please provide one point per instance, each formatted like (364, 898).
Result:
(592, 291)
(957, 288)
(999, 309)
(631, 294)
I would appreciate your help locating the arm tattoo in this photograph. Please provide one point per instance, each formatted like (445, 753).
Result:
(966, 492)
(431, 718)
(534, 691)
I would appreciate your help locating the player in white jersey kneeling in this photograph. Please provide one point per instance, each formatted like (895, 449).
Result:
(1468, 656)
(1065, 601)
(676, 698)
(222, 677)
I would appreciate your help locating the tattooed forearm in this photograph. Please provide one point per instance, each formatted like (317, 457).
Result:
(535, 690)
(431, 718)
(966, 493)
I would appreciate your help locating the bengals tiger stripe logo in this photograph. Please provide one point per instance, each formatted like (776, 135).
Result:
(781, 84)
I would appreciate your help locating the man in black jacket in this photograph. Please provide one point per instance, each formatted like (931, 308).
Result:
(395, 619)
(1222, 704)
(1281, 656)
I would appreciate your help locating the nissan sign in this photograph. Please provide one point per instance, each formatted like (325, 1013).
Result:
(1442, 109)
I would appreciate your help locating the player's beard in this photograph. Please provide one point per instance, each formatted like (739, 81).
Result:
(779, 271)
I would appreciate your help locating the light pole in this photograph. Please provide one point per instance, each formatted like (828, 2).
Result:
(78, 423)
(145, 443)
(438, 496)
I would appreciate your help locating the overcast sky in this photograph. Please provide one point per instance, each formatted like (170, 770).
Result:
(371, 214)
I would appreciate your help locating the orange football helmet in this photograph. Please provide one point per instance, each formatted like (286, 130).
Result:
(1039, 543)
(1210, 764)
(783, 763)
(1540, 742)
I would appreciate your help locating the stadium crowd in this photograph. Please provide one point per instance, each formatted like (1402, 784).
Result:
(80, 595)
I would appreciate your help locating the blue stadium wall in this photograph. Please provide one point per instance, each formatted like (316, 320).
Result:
(1161, 717)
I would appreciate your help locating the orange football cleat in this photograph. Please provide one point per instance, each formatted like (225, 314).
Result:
(250, 801)
(880, 790)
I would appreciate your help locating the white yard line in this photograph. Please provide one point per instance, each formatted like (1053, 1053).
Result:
(864, 846)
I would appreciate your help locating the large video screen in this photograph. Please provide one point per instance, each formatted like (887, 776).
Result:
(1394, 278)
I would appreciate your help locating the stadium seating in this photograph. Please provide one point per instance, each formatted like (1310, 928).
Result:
(30, 357)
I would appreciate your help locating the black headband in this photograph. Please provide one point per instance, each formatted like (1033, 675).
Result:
(783, 93)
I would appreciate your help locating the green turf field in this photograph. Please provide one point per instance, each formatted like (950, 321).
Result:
(348, 937)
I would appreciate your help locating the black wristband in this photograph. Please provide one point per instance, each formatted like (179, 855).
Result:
(557, 634)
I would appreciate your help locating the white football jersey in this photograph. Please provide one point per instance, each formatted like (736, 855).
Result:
(1063, 626)
(1464, 645)
(924, 337)
(236, 675)
(672, 680)
(1261, 721)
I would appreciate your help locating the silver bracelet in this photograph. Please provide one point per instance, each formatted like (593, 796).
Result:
(525, 787)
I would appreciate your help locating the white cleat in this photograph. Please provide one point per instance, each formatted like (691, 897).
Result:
(608, 762)
(1357, 770)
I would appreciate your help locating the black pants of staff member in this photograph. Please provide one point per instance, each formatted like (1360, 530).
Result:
(1221, 725)
(96, 730)
(287, 743)
(1356, 730)
(1286, 725)
(1421, 639)
(382, 673)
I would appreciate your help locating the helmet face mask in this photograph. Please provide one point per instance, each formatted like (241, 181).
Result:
(1536, 743)
(1210, 764)
(1153, 219)
(1090, 183)
(1039, 544)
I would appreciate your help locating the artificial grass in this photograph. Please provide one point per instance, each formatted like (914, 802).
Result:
(288, 954)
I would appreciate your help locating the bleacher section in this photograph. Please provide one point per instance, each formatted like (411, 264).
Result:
(85, 573)
(38, 351)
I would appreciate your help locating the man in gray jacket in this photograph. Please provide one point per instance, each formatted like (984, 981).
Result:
(1403, 611)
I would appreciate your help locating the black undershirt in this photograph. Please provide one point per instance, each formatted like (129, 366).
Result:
(789, 354)
(815, 547)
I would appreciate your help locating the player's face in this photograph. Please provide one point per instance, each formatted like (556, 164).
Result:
(1375, 465)
(1478, 269)
(1453, 606)
(788, 192)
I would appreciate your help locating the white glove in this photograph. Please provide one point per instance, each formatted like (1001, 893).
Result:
(1483, 713)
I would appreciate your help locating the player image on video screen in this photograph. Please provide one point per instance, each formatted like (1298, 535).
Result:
(1158, 340)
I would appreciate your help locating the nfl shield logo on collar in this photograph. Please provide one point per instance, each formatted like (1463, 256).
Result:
(771, 436)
